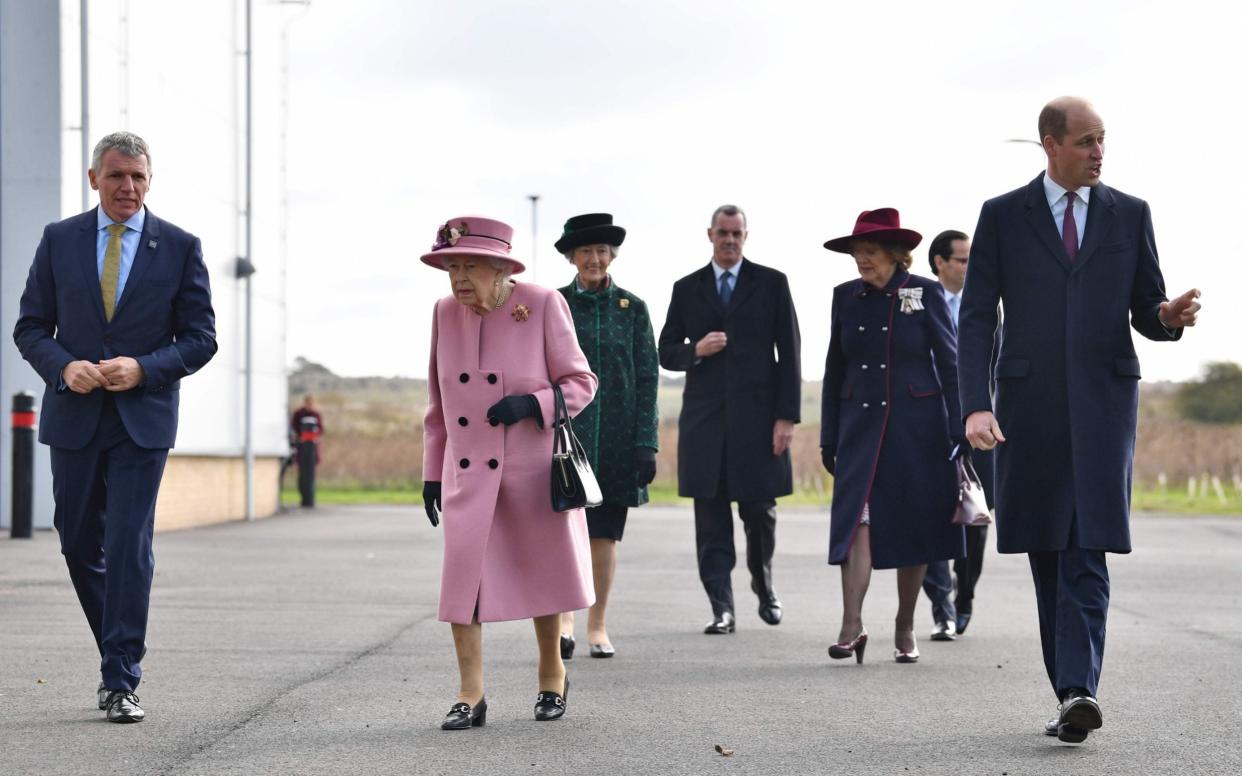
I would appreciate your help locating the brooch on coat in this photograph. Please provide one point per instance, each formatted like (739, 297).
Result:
(520, 312)
(623, 303)
(911, 299)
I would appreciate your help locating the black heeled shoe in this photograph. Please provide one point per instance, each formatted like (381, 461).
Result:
(856, 648)
(567, 647)
(463, 717)
(551, 705)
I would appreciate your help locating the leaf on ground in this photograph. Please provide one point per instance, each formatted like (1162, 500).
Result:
(40, 681)
(724, 750)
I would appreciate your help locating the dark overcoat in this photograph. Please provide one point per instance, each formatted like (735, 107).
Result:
(614, 331)
(733, 398)
(889, 414)
(1066, 372)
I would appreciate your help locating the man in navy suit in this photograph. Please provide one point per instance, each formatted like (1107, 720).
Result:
(1074, 264)
(948, 256)
(117, 309)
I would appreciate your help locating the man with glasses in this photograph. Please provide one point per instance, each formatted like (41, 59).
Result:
(948, 257)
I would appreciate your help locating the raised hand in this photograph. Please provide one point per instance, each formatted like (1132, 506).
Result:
(1182, 311)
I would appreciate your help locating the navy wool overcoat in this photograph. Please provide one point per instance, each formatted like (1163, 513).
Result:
(890, 415)
(1066, 373)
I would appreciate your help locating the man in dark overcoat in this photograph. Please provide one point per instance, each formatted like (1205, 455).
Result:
(1073, 263)
(731, 327)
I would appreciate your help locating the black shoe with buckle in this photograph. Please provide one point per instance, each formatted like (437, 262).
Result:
(123, 707)
(551, 705)
(463, 716)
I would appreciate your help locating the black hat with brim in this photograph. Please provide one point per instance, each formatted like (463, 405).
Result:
(590, 229)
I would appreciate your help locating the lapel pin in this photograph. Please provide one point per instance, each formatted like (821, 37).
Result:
(521, 312)
(151, 244)
(624, 303)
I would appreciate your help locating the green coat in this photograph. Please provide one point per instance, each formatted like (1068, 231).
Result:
(615, 333)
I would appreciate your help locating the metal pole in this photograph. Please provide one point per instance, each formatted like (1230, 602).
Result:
(534, 234)
(23, 464)
(249, 374)
(85, 108)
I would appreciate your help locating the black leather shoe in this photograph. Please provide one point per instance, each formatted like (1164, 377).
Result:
(123, 707)
(1080, 714)
(102, 692)
(567, 647)
(770, 612)
(963, 619)
(724, 623)
(944, 631)
(602, 650)
(551, 705)
(463, 717)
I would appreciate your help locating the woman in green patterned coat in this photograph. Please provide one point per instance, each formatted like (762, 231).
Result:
(619, 427)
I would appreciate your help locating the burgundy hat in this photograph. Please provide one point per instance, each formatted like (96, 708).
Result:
(472, 236)
(883, 225)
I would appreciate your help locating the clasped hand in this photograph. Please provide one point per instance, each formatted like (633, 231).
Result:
(113, 374)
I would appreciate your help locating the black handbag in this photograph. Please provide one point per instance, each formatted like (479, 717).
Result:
(573, 483)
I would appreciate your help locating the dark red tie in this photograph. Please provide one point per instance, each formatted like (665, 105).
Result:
(1069, 233)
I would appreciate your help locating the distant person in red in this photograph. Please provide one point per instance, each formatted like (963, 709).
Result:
(307, 410)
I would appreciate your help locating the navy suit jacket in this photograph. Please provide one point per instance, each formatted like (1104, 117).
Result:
(164, 319)
(1066, 372)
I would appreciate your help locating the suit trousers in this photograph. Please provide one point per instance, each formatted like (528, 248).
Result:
(1071, 590)
(938, 585)
(713, 533)
(969, 568)
(105, 515)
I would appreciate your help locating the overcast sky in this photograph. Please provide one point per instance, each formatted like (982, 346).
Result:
(404, 113)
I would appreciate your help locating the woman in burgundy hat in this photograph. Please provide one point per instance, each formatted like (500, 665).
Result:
(890, 420)
(497, 349)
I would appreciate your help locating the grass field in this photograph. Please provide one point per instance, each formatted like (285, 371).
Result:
(1144, 500)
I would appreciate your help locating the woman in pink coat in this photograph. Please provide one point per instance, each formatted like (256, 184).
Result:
(497, 348)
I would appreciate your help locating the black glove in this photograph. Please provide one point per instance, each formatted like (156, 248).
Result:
(829, 459)
(644, 466)
(431, 501)
(511, 409)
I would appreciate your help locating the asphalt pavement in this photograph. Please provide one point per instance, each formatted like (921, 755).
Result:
(308, 644)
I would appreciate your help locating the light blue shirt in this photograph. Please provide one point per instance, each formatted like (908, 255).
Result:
(1056, 202)
(129, 245)
(954, 301)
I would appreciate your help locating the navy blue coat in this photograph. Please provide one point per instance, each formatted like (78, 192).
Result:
(1066, 373)
(889, 414)
(163, 319)
(733, 398)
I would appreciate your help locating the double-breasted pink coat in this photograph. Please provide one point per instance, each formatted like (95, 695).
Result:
(506, 553)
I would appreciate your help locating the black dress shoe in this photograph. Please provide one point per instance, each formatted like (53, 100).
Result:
(102, 692)
(944, 631)
(123, 707)
(551, 705)
(567, 647)
(963, 619)
(724, 623)
(602, 650)
(1080, 714)
(462, 716)
(770, 612)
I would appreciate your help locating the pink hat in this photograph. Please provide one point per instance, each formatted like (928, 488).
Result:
(472, 236)
(883, 225)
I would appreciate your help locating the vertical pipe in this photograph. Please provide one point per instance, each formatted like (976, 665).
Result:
(249, 368)
(534, 235)
(85, 107)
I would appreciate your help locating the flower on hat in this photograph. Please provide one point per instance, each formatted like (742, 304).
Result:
(449, 235)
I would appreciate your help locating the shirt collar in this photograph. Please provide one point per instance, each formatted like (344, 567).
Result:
(949, 294)
(719, 270)
(603, 287)
(135, 222)
(1054, 191)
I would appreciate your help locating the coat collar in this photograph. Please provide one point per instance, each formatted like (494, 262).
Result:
(1101, 212)
(148, 248)
(88, 252)
(899, 279)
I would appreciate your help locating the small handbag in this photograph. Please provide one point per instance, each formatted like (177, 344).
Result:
(573, 483)
(972, 504)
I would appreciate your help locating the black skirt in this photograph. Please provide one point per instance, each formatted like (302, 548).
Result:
(606, 521)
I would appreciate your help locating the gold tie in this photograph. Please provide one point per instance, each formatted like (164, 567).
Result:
(111, 269)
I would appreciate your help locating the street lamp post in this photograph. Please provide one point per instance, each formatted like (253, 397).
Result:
(534, 233)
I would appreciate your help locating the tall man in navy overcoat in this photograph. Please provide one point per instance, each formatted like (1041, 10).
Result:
(731, 327)
(1073, 262)
(117, 309)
